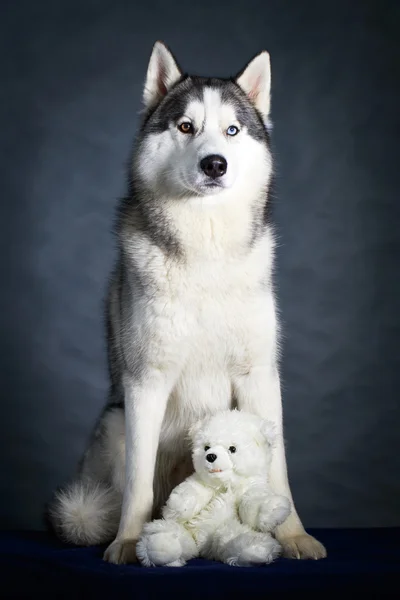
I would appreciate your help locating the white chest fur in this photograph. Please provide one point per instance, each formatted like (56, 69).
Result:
(210, 314)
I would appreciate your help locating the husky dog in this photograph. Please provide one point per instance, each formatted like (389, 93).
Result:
(192, 324)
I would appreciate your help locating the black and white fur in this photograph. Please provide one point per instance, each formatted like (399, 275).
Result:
(192, 325)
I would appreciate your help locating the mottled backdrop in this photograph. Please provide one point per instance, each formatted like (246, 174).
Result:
(71, 75)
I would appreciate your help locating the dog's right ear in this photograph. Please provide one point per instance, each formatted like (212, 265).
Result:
(162, 73)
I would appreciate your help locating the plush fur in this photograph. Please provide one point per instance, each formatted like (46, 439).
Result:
(191, 313)
(86, 512)
(226, 510)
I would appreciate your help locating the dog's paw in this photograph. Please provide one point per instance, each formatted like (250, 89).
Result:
(302, 546)
(121, 552)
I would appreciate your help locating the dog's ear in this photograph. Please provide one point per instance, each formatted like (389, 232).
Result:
(162, 73)
(255, 81)
(268, 431)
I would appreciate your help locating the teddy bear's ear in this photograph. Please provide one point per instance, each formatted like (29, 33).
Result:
(195, 428)
(268, 431)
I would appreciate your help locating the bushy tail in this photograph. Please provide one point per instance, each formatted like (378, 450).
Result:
(85, 513)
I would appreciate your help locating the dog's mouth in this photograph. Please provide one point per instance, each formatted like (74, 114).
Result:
(213, 185)
(215, 470)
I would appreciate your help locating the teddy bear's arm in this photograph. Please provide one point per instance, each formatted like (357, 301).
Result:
(187, 500)
(263, 510)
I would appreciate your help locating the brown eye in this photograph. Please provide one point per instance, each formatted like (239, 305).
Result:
(185, 127)
(206, 448)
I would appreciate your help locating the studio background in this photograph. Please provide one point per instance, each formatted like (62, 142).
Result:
(70, 91)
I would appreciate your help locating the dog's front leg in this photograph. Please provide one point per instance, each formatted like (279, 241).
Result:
(258, 391)
(145, 404)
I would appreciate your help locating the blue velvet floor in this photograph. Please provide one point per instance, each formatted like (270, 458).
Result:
(361, 563)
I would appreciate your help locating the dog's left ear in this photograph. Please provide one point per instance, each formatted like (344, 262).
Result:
(255, 81)
(162, 73)
(268, 431)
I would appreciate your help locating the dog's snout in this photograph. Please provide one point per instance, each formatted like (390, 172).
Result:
(211, 457)
(214, 166)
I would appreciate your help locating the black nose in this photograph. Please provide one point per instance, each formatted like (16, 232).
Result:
(214, 166)
(211, 457)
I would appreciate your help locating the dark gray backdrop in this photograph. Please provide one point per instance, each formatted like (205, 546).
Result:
(70, 89)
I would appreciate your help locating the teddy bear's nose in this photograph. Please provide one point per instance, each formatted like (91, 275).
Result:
(211, 457)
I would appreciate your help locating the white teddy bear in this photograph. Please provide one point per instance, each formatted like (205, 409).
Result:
(225, 510)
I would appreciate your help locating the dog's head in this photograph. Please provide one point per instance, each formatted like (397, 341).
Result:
(203, 137)
(231, 445)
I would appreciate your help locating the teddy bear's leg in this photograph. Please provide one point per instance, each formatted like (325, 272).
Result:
(254, 548)
(273, 511)
(238, 545)
(165, 543)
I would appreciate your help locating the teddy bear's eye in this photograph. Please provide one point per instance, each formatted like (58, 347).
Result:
(206, 448)
(232, 449)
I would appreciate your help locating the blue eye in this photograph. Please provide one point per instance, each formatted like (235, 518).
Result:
(232, 130)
